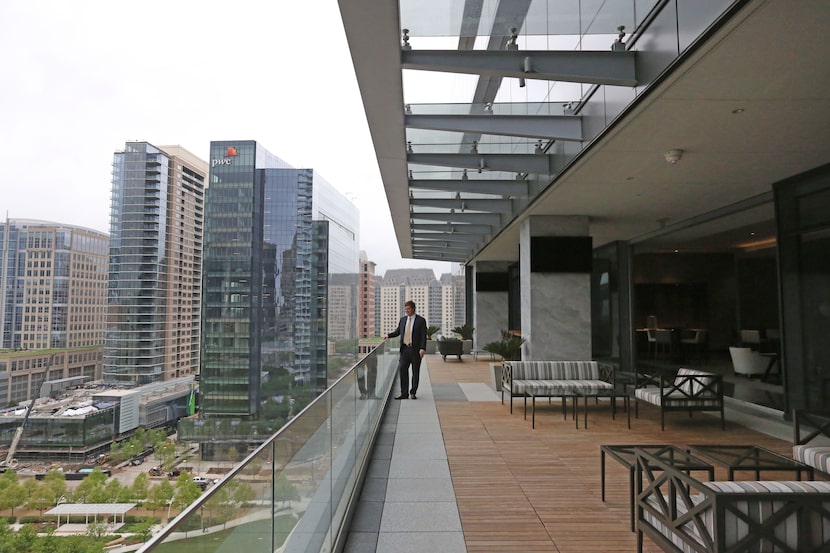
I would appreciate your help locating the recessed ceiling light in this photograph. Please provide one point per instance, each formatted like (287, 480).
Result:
(738, 110)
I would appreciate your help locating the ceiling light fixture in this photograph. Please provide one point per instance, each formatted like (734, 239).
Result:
(673, 156)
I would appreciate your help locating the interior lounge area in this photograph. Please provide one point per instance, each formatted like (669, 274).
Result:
(704, 297)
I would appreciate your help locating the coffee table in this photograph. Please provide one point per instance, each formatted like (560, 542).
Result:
(675, 456)
(749, 457)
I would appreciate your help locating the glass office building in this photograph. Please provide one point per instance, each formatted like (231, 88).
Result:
(273, 234)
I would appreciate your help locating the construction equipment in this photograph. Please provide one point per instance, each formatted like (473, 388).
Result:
(10, 461)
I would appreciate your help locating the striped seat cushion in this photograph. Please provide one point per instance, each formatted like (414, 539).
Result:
(789, 530)
(561, 387)
(554, 370)
(652, 395)
(817, 457)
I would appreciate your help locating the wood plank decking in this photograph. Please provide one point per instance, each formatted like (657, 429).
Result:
(525, 490)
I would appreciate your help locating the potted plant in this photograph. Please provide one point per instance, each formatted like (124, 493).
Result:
(431, 330)
(509, 347)
(466, 333)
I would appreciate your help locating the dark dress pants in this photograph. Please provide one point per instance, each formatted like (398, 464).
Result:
(409, 356)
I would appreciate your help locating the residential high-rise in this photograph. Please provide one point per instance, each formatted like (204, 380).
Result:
(153, 319)
(343, 306)
(399, 286)
(53, 290)
(366, 312)
(273, 236)
(441, 301)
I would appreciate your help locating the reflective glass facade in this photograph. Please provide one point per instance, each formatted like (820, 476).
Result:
(267, 256)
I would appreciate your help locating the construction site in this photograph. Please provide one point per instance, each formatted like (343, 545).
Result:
(75, 421)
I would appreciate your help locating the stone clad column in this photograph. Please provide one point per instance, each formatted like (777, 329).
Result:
(556, 305)
(490, 302)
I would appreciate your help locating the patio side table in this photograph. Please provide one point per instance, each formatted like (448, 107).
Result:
(675, 456)
(749, 457)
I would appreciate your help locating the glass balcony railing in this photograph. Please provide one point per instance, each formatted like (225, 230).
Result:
(294, 491)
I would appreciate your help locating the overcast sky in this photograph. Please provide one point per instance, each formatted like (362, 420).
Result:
(81, 78)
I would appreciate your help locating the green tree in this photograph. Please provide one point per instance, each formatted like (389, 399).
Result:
(144, 529)
(55, 482)
(12, 494)
(186, 491)
(243, 492)
(159, 495)
(140, 487)
(41, 498)
(285, 491)
(30, 486)
(96, 530)
(91, 488)
(166, 452)
(112, 490)
(25, 539)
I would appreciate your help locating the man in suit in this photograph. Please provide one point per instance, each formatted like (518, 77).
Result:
(413, 332)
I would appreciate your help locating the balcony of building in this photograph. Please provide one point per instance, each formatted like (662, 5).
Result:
(453, 471)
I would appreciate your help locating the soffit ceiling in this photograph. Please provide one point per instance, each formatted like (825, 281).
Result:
(770, 61)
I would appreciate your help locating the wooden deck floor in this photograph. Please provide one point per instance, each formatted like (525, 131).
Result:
(525, 490)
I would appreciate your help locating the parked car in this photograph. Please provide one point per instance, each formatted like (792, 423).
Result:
(155, 471)
(201, 481)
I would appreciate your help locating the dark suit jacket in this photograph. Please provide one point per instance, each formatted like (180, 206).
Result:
(419, 332)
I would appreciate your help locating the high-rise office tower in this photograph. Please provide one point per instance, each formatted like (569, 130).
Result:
(53, 291)
(273, 235)
(153, 319)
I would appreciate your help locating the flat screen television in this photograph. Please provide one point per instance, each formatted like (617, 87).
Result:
(561, 254)
(492, 282)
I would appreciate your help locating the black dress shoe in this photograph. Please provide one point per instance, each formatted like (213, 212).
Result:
(402, 396)
(413, 396)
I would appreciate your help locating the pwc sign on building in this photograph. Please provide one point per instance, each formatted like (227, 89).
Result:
(226, 159)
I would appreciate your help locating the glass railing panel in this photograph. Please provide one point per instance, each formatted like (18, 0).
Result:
(293, 492)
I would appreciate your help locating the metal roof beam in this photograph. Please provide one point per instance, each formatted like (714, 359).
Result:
(442, 249)
(431, 238)
(488, 205)
(514, 163)
(514, 188)
(588, 66)
(441, 256)
(558, 127)
(450, 228)
(493, 219)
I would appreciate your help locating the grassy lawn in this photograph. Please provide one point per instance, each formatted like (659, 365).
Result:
(254, 537)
